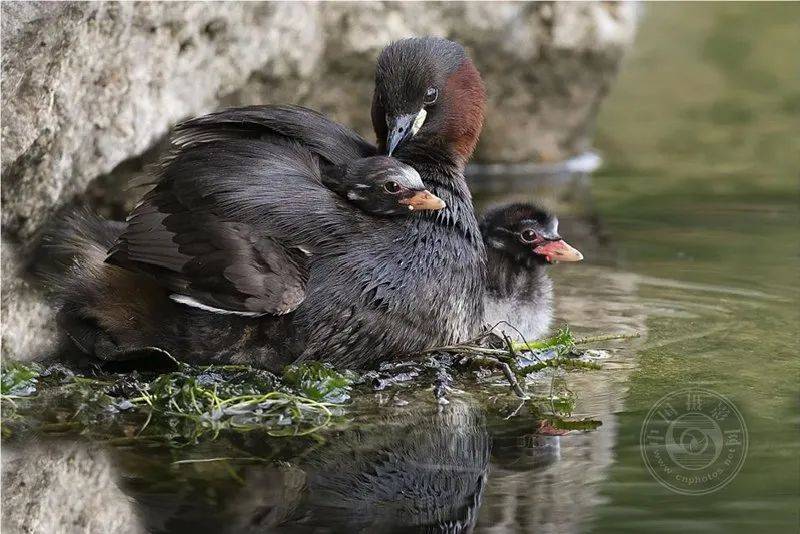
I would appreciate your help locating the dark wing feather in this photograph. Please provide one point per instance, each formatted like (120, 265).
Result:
(227, 220)
(234, 203)
(273, 185)
(334, 143)
(219, 264)
(232, 268)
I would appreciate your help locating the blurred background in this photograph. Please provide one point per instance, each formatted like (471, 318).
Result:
(665, 135)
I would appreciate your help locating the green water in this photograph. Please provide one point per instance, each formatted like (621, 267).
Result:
(691, 232)
(702, 137)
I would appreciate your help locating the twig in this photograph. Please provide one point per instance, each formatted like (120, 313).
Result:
(605, 337)
(512, 380)
(514, 346)
(509, 374)
(509, 345)
(465, 348)
(515, 412)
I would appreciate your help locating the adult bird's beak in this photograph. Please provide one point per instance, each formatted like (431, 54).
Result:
(558, 251)
(400, 129)
(423, 200)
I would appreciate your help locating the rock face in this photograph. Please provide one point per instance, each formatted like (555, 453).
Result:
(88, 86)
(64, 487)
(546, 66)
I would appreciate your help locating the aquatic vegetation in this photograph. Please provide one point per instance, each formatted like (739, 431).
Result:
(518, 359)
(19, 380)
(178, 407)
(191, 403)
(320, 381)
(562, 338)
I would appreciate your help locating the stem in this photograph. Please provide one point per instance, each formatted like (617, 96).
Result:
(531, 345)
(512, 380)
(509, 374)
(467, 349)
(605, 337)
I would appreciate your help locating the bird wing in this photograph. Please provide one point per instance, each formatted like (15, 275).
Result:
(332, 142)
(208, 262)
(229, 223)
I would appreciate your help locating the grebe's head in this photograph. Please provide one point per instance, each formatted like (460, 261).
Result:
(526, 234)
(382, 185)
(428, 94)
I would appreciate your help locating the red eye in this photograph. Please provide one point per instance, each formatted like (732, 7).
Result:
(430, 96)
(528, 236)
(392, 187)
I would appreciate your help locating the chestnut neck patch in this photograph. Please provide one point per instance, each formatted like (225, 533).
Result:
(465, 98)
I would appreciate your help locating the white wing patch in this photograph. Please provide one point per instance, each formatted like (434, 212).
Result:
(189, 301)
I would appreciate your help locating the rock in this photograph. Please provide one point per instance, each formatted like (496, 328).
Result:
(62, 487)
(87, 87)
(28, 321)
(546, 67)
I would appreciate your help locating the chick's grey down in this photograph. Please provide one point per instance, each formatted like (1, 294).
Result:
(522, 240)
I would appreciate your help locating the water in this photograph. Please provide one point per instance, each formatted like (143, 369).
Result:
(691, 233)
(700, 202)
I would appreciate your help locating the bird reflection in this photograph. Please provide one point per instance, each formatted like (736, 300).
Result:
(419, 470)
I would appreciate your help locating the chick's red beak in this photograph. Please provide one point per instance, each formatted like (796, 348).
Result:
(423, 200)
(558, 251)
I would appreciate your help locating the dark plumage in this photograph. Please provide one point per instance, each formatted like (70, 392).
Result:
(104, 310)
(429, 101)
(417, 283)
(333, 143)
(521, 239)
(231, 224)
(241, 226)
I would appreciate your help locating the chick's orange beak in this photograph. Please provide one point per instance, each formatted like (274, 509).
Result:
(558, 251)
(423, 200)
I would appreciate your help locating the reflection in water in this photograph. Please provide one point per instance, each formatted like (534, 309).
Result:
(545, 483)
(64, 486)
(419, 469)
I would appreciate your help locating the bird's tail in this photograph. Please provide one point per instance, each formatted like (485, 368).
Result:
(75, 243)
(95, 299)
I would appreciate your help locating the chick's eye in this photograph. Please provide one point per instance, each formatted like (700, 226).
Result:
(528, 236)
(431, 95)
(392, 187)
